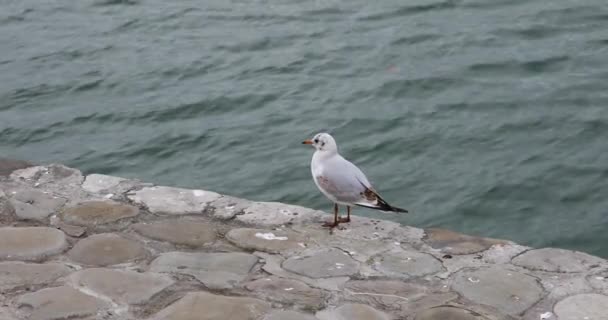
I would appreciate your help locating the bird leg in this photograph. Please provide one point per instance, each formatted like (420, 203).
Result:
(336, 220)
(347, 219)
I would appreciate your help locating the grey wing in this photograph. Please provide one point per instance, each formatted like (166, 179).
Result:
(344, 180)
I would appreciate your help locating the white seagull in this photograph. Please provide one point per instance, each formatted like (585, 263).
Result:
(341, 181)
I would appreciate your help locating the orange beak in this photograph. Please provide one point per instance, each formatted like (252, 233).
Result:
(307, 141)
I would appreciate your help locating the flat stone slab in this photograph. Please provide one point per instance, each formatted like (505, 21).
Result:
(7, 166)
(106, 249)
(401, 297)
(508, 291)
(62, 177)
(70, 230)
(288, 315)
(451, 242)
(207, 306)
(287, 291)
(6, 208)
(449, 313)
(406, 264)
(214, 270)
(30, 243)
(179, 232)
(58, 303)
(98, 183)
(352, 312)
(92, 213)
(588, 306)
(16, 274)
(174, 201)
(121, 286)
(557, 260)
(272, 241)
(276, 214)
(226, 207)
(31, 204)
(324, 263)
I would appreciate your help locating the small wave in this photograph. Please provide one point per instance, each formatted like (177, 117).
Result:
(267, 43)
(415, 39)
(423, 87)
(274, 18)
(536, 32)
(205, 107)
(89, 85)
(549, 64)
(70, 55)
(103, 3)
(409, 10)
(495, 4)
(329, 11)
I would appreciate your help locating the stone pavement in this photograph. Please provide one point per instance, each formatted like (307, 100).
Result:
(102, 247)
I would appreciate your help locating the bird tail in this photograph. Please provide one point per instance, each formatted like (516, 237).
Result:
(382, 205)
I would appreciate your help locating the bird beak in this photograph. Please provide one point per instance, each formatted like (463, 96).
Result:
(307, 141)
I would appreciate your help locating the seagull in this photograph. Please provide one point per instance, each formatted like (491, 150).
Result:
(341, 181)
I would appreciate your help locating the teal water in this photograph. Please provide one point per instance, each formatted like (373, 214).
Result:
(485, 117)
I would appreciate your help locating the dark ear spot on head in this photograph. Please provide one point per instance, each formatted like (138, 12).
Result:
(323, 144)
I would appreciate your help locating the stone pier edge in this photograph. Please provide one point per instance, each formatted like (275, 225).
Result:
(104, 247)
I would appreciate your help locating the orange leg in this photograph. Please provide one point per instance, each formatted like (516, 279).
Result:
(336, 220)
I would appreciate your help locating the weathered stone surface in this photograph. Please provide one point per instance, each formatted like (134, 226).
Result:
(272, 265)
(19, 274)
(599, 281)
(31, 204)
(180, 232)
(406, 264)
(30, 243)
(404, 298)
(5, 314)
(92, 213)
(214, 270)
(449, 275)
(508, 291)
(56, 179)
(274, 214)
(58, 303)
(6, 208)
(449, 313)
(52, 174)
(226, 207)
(106, 249)
(323, 263)
(7, 166)
(98, 183)
(70, 230)
(121, 286)
(451, 242)
(557, 260)
(266, 240)
(287, 291)
(174, 201)
(288, 315)
(558, 287)
(111, 187)
(207, 306)
(502, 254)
(352, 312)
(583, 306)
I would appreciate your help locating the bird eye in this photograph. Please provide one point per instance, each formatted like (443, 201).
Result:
(316, 140)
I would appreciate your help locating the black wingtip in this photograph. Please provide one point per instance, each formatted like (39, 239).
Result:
(399, 210)
(384, 206)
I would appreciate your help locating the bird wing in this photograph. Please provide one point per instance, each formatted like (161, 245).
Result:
(343, 180)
